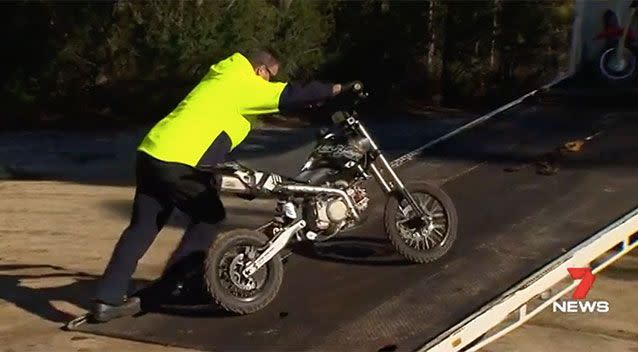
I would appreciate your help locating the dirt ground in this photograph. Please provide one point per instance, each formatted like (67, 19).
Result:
(57, 237)
(56, 240)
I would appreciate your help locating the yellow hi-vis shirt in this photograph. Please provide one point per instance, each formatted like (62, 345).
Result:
(217, 107)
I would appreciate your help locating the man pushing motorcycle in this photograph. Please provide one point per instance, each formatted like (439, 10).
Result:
(175, 157)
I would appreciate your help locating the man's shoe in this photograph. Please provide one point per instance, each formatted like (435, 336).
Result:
(103, 312)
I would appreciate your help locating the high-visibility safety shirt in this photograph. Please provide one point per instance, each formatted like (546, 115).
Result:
(211, 120)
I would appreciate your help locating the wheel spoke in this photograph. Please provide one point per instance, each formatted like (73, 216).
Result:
(438, 215)
(425, 241)
(438, 226)
(439, 233)
(411, 242)
(434, 209)
(425, 203)
(401, 222)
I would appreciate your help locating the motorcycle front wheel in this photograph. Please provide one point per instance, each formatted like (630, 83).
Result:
(229, 254)
(435, 238)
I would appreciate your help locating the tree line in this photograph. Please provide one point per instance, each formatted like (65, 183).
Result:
(138, 58)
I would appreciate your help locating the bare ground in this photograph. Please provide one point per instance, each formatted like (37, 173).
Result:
(56, 240)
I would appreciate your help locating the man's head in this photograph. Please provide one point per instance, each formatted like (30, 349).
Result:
(264, 63)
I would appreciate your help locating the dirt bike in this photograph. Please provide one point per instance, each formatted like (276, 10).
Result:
(244, 270)
(617, 63)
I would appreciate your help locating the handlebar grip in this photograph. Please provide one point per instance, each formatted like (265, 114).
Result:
(354, 86)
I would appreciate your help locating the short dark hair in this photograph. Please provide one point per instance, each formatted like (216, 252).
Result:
(258, 57)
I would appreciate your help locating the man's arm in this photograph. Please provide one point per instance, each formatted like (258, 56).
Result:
(262, 97)
(296, 96)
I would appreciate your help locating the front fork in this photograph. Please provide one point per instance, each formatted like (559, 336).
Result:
(621, 44)
(396, 184)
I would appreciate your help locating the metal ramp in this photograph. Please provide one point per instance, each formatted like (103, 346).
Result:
(527, 209)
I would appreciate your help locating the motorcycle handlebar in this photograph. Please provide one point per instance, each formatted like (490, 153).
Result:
(351, 95)
(354, 87)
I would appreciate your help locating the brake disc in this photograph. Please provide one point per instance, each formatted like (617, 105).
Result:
(238, 279)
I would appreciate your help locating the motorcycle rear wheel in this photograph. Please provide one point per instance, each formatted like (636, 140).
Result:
(420, 246)
(226, 258)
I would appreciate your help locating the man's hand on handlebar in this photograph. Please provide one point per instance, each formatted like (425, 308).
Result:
(345, 96)
(353, 86)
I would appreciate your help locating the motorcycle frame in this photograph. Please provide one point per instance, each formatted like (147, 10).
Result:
(390, 187)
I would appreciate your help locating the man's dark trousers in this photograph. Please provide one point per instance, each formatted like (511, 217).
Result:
(161, 187)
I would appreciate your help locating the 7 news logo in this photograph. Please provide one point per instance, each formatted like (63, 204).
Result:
(578, 304)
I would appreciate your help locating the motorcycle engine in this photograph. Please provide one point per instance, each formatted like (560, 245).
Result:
(331, 212)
